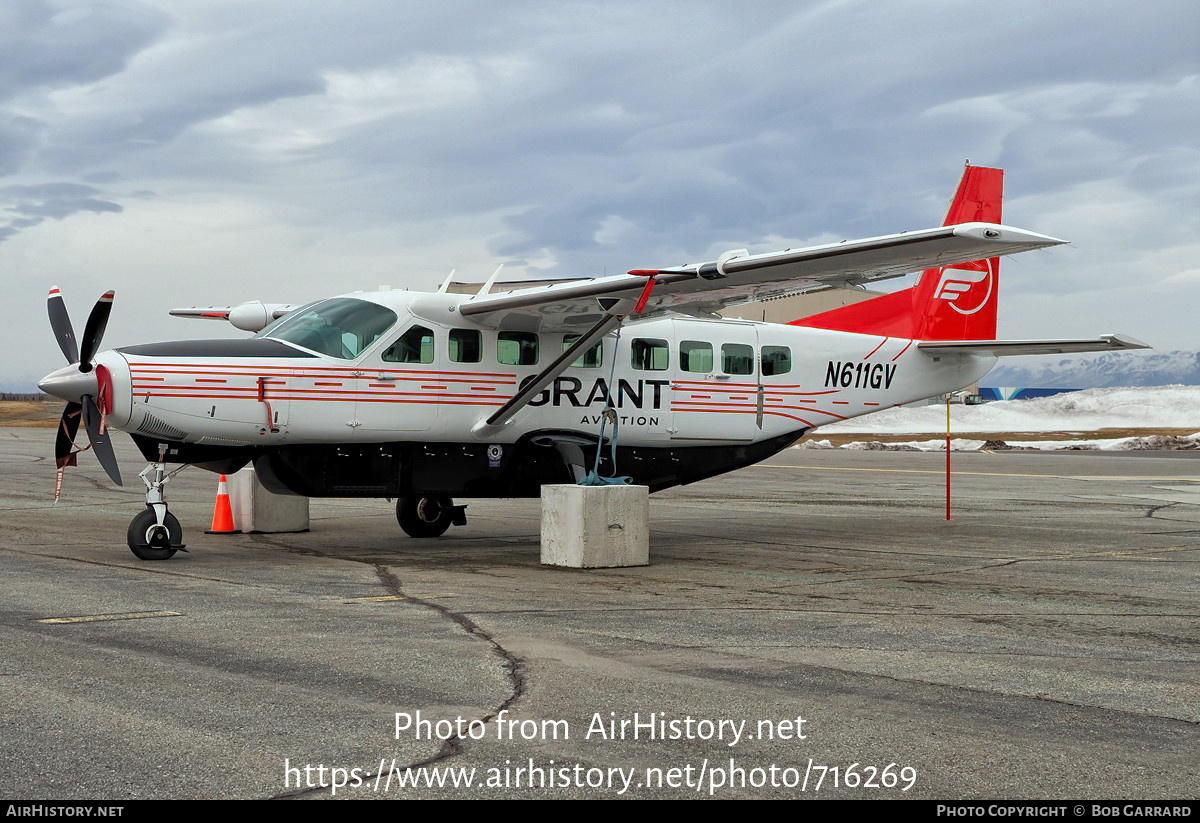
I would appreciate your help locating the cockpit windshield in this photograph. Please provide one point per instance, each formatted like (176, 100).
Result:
(341, 327)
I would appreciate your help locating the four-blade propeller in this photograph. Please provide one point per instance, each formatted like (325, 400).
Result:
(83, 385)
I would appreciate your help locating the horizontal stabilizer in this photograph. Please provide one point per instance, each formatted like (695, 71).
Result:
(1009, 348)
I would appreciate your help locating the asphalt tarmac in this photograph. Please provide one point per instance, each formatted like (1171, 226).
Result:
(810, 627)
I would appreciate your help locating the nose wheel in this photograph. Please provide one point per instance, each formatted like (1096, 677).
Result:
(150, 540)
(429, 516)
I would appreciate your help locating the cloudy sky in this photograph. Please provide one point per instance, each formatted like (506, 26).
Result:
(206, 152)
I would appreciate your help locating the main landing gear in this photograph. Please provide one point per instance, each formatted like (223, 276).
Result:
(429, 516)
(155, 534)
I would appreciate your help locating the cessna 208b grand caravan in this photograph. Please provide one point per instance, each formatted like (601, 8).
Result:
(425, 397)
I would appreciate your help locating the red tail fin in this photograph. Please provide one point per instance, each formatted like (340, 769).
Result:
(950, 303)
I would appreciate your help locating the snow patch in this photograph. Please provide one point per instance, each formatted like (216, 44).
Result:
(1143, 407)
(960, 444)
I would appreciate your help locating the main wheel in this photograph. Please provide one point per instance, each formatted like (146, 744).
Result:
(156, 543)
(424, 516)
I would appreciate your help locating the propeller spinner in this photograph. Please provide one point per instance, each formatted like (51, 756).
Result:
(83, 385)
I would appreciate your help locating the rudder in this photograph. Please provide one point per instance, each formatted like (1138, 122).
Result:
(947, 303)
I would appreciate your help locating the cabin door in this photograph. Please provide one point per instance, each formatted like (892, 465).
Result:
(400, 385)
(717, 392)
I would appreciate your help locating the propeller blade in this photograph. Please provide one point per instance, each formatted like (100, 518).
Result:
(60, 323)
(93, 332)
(101, 445)
(64, 444)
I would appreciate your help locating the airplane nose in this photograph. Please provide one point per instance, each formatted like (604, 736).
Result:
(70, 384)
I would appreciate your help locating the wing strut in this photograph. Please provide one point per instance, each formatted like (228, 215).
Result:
(505, 414)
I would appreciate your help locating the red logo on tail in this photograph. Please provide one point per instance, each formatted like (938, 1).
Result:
(961, 286)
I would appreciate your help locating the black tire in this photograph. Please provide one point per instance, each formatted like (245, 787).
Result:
(424, 516)
(137, 536)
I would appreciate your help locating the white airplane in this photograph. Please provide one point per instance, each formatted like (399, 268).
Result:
(425, 397)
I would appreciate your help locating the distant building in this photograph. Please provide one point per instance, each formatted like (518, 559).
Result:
(1014, 393)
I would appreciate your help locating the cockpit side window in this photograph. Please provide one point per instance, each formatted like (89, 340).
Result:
(342, 327)
(414, 346)
(466, 346)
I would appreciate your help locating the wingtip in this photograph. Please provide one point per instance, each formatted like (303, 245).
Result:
(1009, 234)
(1124, 341)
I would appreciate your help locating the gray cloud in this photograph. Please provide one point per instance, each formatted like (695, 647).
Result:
(56, 201)
(577, 137)
(48, 45)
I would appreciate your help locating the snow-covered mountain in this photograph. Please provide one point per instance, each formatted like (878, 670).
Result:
(1088, 371)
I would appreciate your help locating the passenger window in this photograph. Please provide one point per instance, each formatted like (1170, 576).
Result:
(695, 356)
(414, 346)
(737, 358)
(590, 359)
(466, 346)
(776, 360)
(650, 355)
(517, 348)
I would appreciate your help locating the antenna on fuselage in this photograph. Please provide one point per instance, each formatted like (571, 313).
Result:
(446, 283)
(487, 286)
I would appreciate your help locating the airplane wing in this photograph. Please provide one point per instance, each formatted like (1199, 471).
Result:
(1006, 348)
(739, 277)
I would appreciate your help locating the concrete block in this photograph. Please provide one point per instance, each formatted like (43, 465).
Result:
(257, 510)
(595, 527)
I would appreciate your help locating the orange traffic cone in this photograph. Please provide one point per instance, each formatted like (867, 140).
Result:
(223, 512)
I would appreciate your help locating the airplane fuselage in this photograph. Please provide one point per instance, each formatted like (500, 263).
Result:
(394, 412)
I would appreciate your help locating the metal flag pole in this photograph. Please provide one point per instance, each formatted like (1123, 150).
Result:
(947, 456)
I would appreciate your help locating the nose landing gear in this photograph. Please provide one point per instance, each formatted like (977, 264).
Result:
(155, 534)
